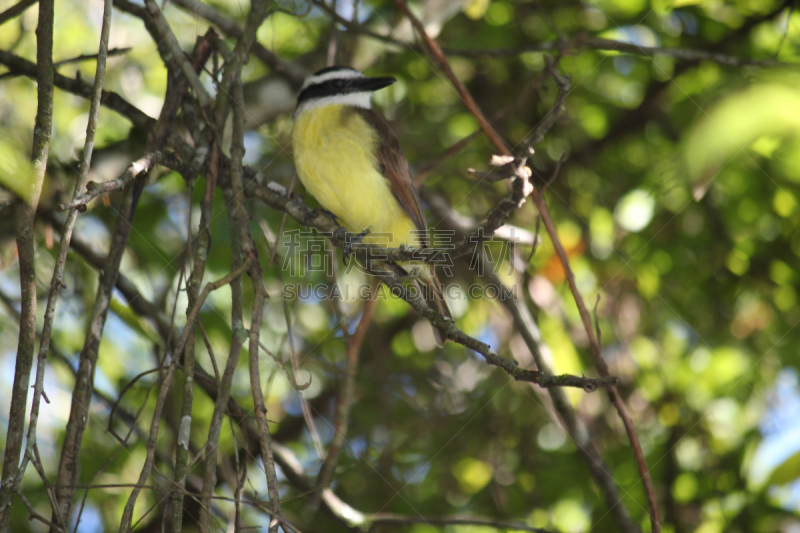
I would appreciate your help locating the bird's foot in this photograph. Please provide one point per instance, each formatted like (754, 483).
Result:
(349, 240)
(319, 211)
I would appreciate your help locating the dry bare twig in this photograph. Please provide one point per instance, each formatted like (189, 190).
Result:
(199, 58)
(139, 167)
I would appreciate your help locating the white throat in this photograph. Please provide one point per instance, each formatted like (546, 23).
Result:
(362, 100)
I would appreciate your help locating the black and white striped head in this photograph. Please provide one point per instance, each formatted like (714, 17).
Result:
(338, 86)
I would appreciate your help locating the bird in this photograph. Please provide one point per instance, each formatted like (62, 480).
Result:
(348, 158)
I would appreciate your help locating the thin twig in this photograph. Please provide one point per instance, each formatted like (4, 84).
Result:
(438, 56)
(394, 519)
(36, 516)
(538, 198)
(307, 416)
(597, 356)
(88, 359)
(209, 349)
(240, 480)
(76, 86)
(86, 57)
(242, 219)
(597, 43)
(425, 170)
(29, 189)
(94, 476)
(558, 108)
(582, 41)
(203, 242)
(231, 86)
(344, 404)
(290, 377)
(492, 358)
(225, 382)
(294, 74)
(128, 386)
(15, 10)
(127, 514)
(141, 166)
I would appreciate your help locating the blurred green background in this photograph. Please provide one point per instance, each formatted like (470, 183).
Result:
(677, 204)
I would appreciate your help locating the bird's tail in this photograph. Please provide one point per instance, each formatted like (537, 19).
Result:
(435, 299)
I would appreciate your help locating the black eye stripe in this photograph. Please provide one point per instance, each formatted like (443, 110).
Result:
(325, 88)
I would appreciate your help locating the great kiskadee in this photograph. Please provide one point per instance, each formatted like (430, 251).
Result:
(348, 158)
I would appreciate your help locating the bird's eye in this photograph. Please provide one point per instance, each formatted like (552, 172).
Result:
(337, 84)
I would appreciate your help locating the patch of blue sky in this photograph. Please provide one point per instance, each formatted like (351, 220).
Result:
(781, 438)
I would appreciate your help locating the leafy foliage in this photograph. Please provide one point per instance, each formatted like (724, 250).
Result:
(677, 205)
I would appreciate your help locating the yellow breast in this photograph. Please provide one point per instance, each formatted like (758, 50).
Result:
(335, 155)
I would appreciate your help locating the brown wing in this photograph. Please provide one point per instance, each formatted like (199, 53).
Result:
(394, 167)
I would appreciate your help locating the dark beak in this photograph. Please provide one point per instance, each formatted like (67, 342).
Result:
(370, 84)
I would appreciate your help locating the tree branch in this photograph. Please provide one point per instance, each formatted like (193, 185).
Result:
(230, 90)
(437, 55)
(171, 52)
(96, 57)
(345, 401)
(191, 319)
(439, 58)
(57, 280)
(28, 188)
(192, 287)
(511, 367)
(82, 392)
(81, 398)
(15, 10)
(596, 43)
(290, 466)
(394, 519)
(139, 167)
(242, 219)
(597, 355)
(581, 41)
(78, 87)
(295, 207)
(290, 71)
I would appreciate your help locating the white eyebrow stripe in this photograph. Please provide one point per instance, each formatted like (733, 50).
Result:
(336, 74)
(361, 100)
